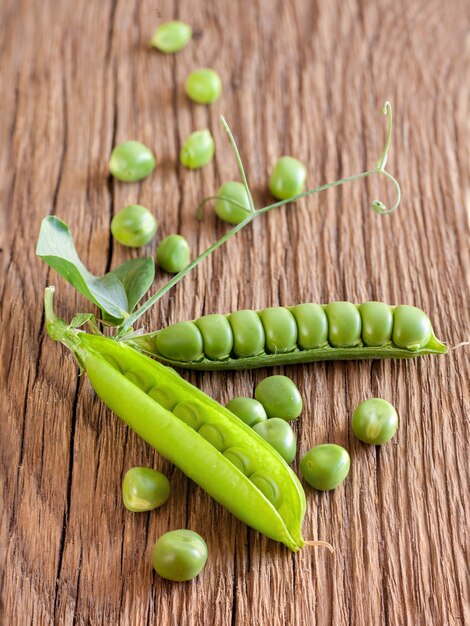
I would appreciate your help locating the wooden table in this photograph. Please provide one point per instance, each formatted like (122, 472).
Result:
(302, 78)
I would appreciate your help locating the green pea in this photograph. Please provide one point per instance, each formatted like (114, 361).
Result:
(287, 178)
(162, 396)
(326, 466)
(377, 323)
(189, 413)
(279, 435)
(173, 253)
(242, 460)
(180, 342)
(179, 555)
(171, 36)
(344, 324)
(131, 161)
(198, 150)
(248, 410)
(411, 327)
(217, 336)
(268, 487)
(227, 211)
(248, 333)
(280, 329)
(312, 326)
(204, 86)
(214, 435)
(144, 489)
(134, 226)
(280, 397)
(375, 421)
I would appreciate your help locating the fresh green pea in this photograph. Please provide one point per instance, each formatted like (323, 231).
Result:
(144, 489)
(247, 409)
(280, 397)
(179, 555)
(198, 149)
(280, 329)
(377, 323)
(344, 324)
(217, 336)
(227, 211)
(325, 467)
(287, 178)
(248, 333)
(312, 325)
(204, 86)
(279, 435)
(134, 226)
(131, 161)
(411, 327)
(173, 253)
(375, 421)
(171, 36)
(180, 342)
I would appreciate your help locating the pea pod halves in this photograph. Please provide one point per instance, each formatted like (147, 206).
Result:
(297, 334)
(205, 440)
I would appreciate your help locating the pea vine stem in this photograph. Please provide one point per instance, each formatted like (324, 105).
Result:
(378, 206)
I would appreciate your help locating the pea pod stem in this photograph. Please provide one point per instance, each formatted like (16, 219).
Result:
(378, 206)
(320, 544)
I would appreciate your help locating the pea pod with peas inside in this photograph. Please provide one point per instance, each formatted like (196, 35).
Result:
(212, 446)
(296, 334)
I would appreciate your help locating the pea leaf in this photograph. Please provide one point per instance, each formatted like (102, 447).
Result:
(136, 276)
(56, 247)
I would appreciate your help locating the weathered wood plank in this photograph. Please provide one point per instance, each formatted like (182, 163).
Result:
(302, 78)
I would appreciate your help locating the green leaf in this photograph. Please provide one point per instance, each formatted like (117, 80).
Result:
(136, 276)
(80, 319)
(56, 247)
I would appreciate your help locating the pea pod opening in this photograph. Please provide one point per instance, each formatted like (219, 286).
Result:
(298, 334)
(205, 440)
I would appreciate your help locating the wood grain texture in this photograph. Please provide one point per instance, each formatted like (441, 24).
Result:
(304, 78)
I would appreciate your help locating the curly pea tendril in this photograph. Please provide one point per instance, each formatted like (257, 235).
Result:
(377, 205)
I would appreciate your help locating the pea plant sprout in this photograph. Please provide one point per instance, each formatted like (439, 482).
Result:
(118, 292)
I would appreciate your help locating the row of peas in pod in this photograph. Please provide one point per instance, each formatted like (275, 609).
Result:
(180, 555)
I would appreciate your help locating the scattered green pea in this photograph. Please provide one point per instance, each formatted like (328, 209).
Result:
(228, 212)
(279, 435)
(375, 421)
(171, 36)
(287, 178)
(248, 410)
(204, 86)
(131, 161)
(198, 149)
(144, 489)
(134, 226)
(325, 467)
(179, 555)
(280, 397)
(173, 253)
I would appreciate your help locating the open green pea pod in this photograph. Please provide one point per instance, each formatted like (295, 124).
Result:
(297, 334)
(212, 446)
